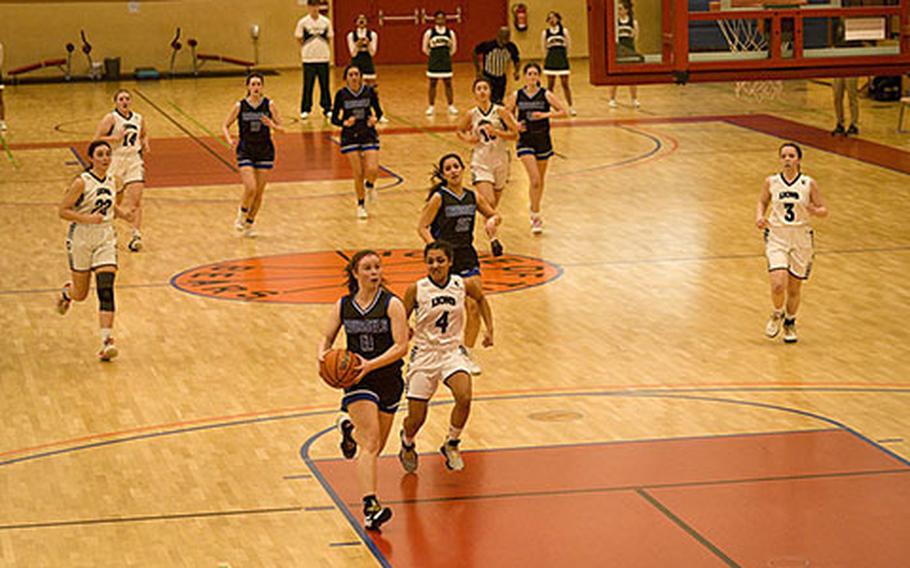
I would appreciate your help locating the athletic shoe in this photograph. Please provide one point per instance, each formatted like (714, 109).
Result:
(376, 516)
(2, 125)
(636, 103)
(372, 194)
(407, 455)
(612, 103)
(383, 120)
(839, 131)
(327, 114)
(790, 331)
(63, 300)
(346, 429)
(536, 224)
(572, 111)
(430, 110)
(772, 328)
(473, 367)
(453, 109)
(108, 350)
(238, 222)
(135, 243)
(362, 212)
(496, 247)
(452, 455)
(249, 232)
(304, 115)
(853, 130)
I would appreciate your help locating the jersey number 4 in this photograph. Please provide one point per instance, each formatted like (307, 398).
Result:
(442, 322)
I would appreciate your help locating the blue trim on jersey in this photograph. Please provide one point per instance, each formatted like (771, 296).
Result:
(358, 148)
(264, 165)
(530, 151)
(371, 396)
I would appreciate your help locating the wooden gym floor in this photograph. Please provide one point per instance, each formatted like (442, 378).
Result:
(630, 414)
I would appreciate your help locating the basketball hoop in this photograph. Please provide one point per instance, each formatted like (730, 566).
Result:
(747, 36)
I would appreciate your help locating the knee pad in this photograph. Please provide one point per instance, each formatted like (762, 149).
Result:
(105, 288)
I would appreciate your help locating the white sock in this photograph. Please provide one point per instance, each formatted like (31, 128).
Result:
(454, 433)
(105, 334)
(408, 441)
(778, 312)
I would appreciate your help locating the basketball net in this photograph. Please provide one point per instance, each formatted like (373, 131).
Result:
(746, 36)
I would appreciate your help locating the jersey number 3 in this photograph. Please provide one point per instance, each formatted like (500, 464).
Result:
(442, 322)
(790, 215)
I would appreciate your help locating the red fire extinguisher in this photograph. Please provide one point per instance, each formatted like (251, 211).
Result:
(520, 17)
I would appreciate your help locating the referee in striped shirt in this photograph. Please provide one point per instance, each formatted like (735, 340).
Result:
(491, 60)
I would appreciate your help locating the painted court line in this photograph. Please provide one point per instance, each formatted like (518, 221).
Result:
(186, 131)
(684, 526)
(147, 518)
(633, 487)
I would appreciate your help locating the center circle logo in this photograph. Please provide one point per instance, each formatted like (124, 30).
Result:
(318, 277)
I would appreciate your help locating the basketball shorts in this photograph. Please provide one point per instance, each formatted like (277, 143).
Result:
(430, 366)
(256, 156)
(497, 174)
(383, 387)
(537, 144)
(91, 246)
(791, 249)
(466, 263)
(359, 139)
(128, 169)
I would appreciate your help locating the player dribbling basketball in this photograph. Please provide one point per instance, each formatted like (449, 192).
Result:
(377, 331)
(438, 300)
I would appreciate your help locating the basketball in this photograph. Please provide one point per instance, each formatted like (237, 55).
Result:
(338, 368)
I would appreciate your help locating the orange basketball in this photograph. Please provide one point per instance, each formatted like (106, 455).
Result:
(338, 368)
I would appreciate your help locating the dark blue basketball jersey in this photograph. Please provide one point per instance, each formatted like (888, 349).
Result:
(254, 132)
(454, 222)
(369, 331)
(526, 105)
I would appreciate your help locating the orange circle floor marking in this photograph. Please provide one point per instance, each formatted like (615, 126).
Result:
(318, 277)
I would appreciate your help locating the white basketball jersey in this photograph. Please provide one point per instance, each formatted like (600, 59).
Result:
(490, 150)
(789, 201)
(132, 125)
(439, 313)
(97, 196)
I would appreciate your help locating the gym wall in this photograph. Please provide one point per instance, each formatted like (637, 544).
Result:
(574, 17)
(38, 29)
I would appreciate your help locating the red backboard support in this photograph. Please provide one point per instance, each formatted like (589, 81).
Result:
(675, 62)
